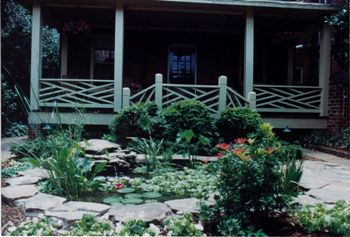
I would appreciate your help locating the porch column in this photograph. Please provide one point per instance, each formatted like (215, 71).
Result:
(324, 67)
(248, 53)
(118, 56)
(35, 58)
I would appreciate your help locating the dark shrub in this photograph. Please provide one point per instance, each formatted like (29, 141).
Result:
(187, 115)
(138, 120)
(237, 122)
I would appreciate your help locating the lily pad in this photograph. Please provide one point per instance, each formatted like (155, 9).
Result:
(151, 195)
(112, 200)
(150, 200)
(133, 195)
(126, 190)
(132, 201)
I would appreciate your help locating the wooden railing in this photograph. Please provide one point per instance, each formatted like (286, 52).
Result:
(86, 93)
(215, 97)
(288, 99)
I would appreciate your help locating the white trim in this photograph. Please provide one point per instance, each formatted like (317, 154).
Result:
(324, 67)
(118, 56)
(35, 67)
(248, 53)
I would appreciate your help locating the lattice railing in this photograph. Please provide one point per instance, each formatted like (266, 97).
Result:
(207, 94)
(86, 93)
(234, 99)
(288, 99)
(143, 96)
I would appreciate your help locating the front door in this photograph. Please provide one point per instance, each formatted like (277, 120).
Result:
(182, 65)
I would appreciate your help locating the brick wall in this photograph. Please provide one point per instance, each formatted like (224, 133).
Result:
(339, 102)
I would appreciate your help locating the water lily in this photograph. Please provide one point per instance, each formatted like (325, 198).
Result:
(118, 186)
(240, 140)
(223, 146)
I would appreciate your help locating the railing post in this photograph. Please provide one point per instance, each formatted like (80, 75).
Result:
(159, 89)
(222, 83)
(126, 97)
(252, 100)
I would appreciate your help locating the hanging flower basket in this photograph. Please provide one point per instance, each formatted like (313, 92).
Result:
(76, 28)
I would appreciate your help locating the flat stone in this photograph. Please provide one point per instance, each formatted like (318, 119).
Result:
(98, 145)
(331, 193)
(146, 212)
(35, 172)
(22, 180)
(82, 206)
(184, 205)
(43, 201)
(119, 162)
(306, 199)
(18, 192)
(69, 216)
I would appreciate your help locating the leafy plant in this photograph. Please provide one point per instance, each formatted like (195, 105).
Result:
(34, 227)
(69, 174)
(90, 226)
(237, 122)
(182, 226)
(14, 168)
(292, 171)
(323, 138)
(232, 227)
(336, 220)
(135, 228)
(189, 147)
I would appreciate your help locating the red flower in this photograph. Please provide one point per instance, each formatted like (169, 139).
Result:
(118, 186)
(219, 155)
(238, 151)
(240, 140)
(223, 146)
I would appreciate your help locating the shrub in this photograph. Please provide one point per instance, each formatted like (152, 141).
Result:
(319, 218)
(138, 120)
(34, 227)
(346, 137)
(182, 226)
(187, 115)
(90, 226)
(323, 138)
(237, 122)
(14, 168)
(135, 228)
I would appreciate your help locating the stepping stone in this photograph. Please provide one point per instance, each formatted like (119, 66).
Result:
(306, 199)
(17, 192)
(98, 146)
(146, 212)
(35, 172)
(22, 180)
(184, 205)
(43, 202)
(331, 193)
(82, 206)
(69, 216)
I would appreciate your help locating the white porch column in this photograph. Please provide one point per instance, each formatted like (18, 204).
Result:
(118, 56)
(290, 67)
(64, 55)
(324, 67)
(248, 53)
(35, 58)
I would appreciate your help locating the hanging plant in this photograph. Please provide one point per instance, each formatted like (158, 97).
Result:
(76, 27)
(286, 37)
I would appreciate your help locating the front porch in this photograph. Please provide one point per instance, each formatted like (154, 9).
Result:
(273, 73)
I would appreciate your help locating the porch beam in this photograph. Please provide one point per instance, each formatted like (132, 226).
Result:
(248, 53)
(118, 56)
(324, 67)
(35, 58)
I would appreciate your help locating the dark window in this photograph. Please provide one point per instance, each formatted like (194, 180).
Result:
(182, 65)
(104, 58)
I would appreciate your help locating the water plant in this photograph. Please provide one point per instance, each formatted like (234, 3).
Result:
(182, 226)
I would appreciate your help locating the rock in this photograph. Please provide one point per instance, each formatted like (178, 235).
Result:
(147, 212)
(17, 192)
(98, 146)
(43, 202)
(211, 199)
(140, 158)
(22, 180)
(82, 206)
(331, 193)
(69, 216)
(119, 162)
(306, 199)
(184, 205)
(35, 172)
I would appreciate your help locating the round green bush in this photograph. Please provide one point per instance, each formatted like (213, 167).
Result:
(138, 120)
(185, 115)
(237, 122)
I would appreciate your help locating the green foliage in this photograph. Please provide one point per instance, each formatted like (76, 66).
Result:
(232, 227)
(70, 175)
(323, 138)
(187, 115)
(197, 182)
(90, 226)
(336, 220)
(138, 120)
(182, 226)
(340, 38)
(34, 227)
(291, 175)
(14, 168)
(346, 137)
(135, 228)
(32, 148)
(237, 122)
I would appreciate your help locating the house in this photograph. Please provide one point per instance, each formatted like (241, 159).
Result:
(272, 55)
